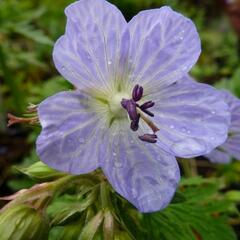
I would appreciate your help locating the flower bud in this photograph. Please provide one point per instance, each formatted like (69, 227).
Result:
(23, 222)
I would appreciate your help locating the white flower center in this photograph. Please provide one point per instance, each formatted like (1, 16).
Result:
(115, 104)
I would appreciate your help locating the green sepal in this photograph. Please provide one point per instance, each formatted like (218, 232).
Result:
(41, 172)
(69, 210)
(121, 235)
(67, 232)
(91, 228)
(108, 225)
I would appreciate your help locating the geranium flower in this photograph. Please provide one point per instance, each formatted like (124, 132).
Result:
(231, 148)
(128, 116)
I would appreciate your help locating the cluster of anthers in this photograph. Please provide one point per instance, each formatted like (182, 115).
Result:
(136, 111)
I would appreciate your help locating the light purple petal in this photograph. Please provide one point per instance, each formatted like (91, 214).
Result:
(192, 117)
(70, 135)
(164, 47)
(231, 148)
(95, 46)
(141, 173)
(218, 156)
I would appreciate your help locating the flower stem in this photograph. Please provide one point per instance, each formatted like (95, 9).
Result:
(189, 167)
(105, 195)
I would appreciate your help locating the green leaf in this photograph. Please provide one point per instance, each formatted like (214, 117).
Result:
(36, 35)
(233, 196)
(178, 197)
(202, 215)
(197, 180)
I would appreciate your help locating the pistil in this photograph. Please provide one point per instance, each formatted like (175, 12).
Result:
(14, 119)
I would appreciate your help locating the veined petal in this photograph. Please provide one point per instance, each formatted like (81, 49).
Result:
(163, 48)
(192, 117)
(95, 46)
(218, 156)
(231, 148)
(70, 133)
(141, 173)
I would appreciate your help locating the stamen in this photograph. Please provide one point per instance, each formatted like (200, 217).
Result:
(150, 138)
(148, 112)
(136, 111)
(149, 123)
(147, 105)
(137, 93)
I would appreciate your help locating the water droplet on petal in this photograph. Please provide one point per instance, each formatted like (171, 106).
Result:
(81, 140)
(188, 131)
(118, 163)
(134, 193)
(184, 129)
(188, 147)
(172, 126)
(63, 68)
(114, 154)
(73, 73)
(213, 112)
(109, 62)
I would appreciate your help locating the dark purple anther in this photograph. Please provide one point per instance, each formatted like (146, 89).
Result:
(147, 105)
(137, 93)
(150, 138)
